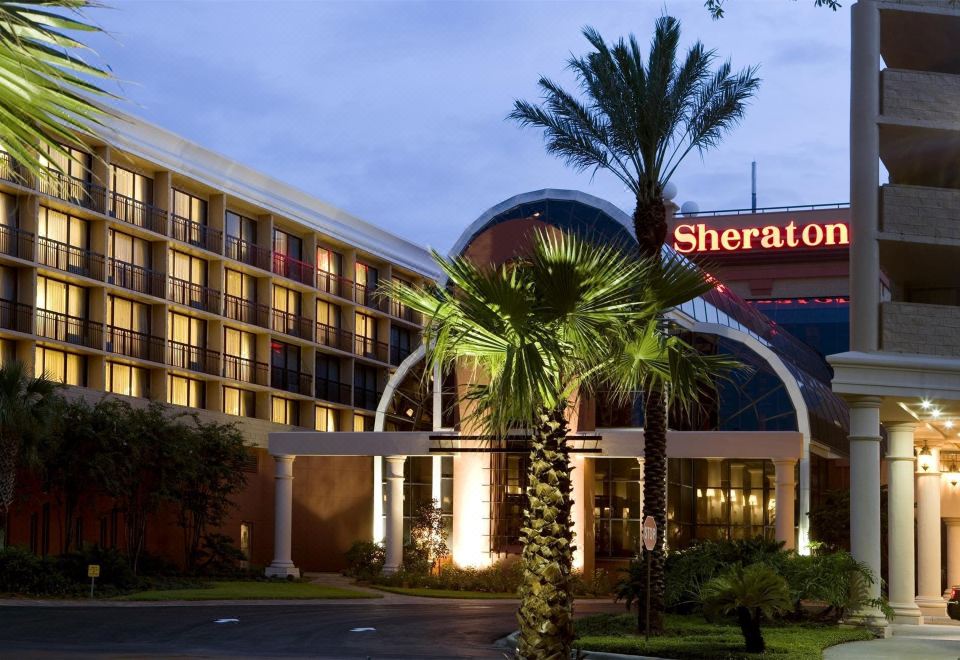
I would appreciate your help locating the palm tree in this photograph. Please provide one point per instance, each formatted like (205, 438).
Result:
(639, 121)
(535, 332)
(752, 593)
(26, 407)
(47, 92)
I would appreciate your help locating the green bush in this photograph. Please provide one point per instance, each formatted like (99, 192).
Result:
(114, 568)
(22, 572)
(503, 576)
(365, 560)
(753, 593)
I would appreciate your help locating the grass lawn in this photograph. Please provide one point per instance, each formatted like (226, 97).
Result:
(230, 590)
(690, 637)
(445, 593)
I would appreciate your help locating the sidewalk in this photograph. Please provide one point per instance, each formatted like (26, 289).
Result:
(929, 642)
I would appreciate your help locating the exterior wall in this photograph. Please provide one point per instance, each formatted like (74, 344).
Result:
(920, 96)
(920, 212)
(920, 329)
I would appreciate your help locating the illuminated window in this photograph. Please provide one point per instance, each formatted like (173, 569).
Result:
(60, 366)
(187, 330)
(242, 228)
(328, 314)
(365, 332)
(63, 228)
(128, 314)
(241, 285)
(127, 380)
(183, 391)
(67, 160)
(8, 351)
(327, 419)
(285, 411)
(188, 268)
(362, 423)
(287, 245)
(286, 300)
(61, 297)
(329, 261)
(131, 185)
(238, 343)
(366, 276)
(128, 249)
(190, 207)
(239, 402)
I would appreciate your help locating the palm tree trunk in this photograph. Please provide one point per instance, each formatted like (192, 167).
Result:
(750, 627)
(546, 605)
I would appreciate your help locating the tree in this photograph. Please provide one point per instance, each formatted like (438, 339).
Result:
(26, 410)
(751, 593)
(428, 535)
(534, 333)
(638, 121)
(716, 7)
(48, 92)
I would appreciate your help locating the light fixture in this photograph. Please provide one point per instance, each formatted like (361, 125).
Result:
(753, 500)
(935, 413)
(925, 404)
(699, 493)
(924, 458)
(949, 424)
(953, 476)
(710, 492)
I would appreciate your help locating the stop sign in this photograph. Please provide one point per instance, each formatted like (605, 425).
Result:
(649, 533)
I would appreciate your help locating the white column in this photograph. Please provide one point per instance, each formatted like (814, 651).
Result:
(929, 594)
(786, 488)
(394, 541)
(902, 566)
(470, 541)
(378, 530)
(953, 551)
(282, 564)
(578, 510)
(865, 495)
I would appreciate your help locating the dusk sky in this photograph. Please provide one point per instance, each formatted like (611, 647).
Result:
(395, 111)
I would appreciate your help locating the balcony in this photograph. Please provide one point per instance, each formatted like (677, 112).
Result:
(135, 278)
(370, 297)
(366, 399)
(70, 189)
(8, 169)
(371, 348)
(194, 358)
(334, 337)
(138, 213)
(245, 311)
(291, 324)
(70, 329)
(332, 391)
(294, 269)
(920, 213)
(245, 370)
(15, 242)
(333, 284)
(193, 295)
(16, 316)
(193, 233)
(134, 344)
(69, 258)
(398, 354)
(404, 313)
(290, 380)
(248, 253)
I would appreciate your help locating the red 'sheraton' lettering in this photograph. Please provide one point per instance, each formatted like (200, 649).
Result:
(689, 238)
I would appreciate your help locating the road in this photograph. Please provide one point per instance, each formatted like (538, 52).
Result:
(424, 628)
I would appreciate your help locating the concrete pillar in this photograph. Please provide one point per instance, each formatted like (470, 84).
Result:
(786, 488)
(378, 500)
(282, 564)
(394, 541)
(865, 495)
(578, 512)
(902, 567)
(470, 541)
(953, 552)
(929, 591)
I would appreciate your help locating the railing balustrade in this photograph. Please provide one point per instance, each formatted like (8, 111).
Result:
(15, 316)
(138, 213)
(333, 337)
(134, 277)
(193, 295)
(332, 390)
(16, 242)
(294, 269)
(291, 324)
(69, 258)
(196, 234)
(194, 358)
(365, 398)
(245, 311)
(71, 329)
(290, 380)
(334, 284)
(79, 192)
(245, 369)
(248, 253)
(135, 344)
(371, 348)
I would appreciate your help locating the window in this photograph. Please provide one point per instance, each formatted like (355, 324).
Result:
(8, 351)
(241, 228)
(286, 300)
(128, 249)
(399, 344)
(61, 297)
(188, 268)
(8, 283)
(238, 343)
(128, 314)
(131, 185)
(9, 210)
(246, 542)
(241, 285)
(60, 366)
(286, 312)
(241, 403)
(618, 506)
(365, 329)
(366, 276)
(183, 391)
(328, 314)
(284, 356)
(329, 261)
(328, 379)
(63, 228)
(187, 330)
(362, 423)
(287, 245)
(127, 380)
(189, 207)
(365, 394)
(68, 160)
(285, 411)
(327, 419)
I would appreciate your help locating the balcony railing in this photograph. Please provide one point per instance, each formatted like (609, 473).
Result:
(138, 213)
(291, 324)
(332, 391)
(8, 169)
(193, 295)
(71, 189)
(398, 354)
(16, 243)
(334, 337)
(134, 344)
(401, 311)
(248, 253)
(69, 258)
(196, 234)
(240, 309)
(290, 380)
(299, 271)
(370, 297)
(367, 399)
(16, 316)
(134, 277)
(194, 358)
(371, 348)
(71, 329)
(336, 285)
(245, 369)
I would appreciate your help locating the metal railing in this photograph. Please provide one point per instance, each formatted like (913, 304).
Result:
(193, 295)
(398, 354)
(294, 269)
(765, 209)
(332, 391)
(8, 169)
(334, 284)
(79, 192)
(334, 337)
(240, 309)
(367, 399)
(248, 253)
(69, 258)
(16, 316)
(371, 348)
(370, 297)
(134, 277)
(16, 242)
(194, 358)
(134, 344)
(290, 380)
(71, 329)
(138, 213)
(291, 324)
(401, 311)
(245, 369)
(196, 234)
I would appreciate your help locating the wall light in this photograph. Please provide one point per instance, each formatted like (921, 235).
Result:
(924, 458)
(953, 476)
(925, 404)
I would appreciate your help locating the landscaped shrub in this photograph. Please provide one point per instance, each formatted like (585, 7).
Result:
(365, 560)
(753, 593)
(22, 572)
(115, 569)
(500, 577)
(834, 578)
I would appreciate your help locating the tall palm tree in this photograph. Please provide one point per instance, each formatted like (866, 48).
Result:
(26, 408)
(47, 91)
(638, 120)
(535, 332)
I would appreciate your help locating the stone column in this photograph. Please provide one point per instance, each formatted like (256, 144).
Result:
(786, 489)
(953, 552)
(394, 526)
(470, 541)
(902, 567)
(578, 511)
(929, 594)
(865, 495)
(282, 564)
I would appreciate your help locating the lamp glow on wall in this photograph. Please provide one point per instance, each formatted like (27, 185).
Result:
(924, 458)
(952, 474)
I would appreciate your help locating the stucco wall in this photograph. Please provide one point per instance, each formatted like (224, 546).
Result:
(919, 211)
(920, 96)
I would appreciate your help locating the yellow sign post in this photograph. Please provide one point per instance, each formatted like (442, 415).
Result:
(93, 572)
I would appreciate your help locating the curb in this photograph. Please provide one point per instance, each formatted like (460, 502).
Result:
(509, 644)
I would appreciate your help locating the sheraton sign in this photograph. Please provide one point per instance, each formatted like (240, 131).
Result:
(689, 238)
